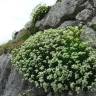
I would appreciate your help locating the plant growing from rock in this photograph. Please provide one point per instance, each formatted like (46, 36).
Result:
(38, 13)
(57, 60)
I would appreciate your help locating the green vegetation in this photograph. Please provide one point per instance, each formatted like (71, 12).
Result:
(57, 60)
(38, 13)
(15, 43)
(8, 47)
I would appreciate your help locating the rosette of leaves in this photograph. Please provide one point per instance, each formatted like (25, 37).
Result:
(57, 60)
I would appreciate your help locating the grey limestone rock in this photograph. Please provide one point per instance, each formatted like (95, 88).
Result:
(60, 12)
(69, 23)
(11, 81)
(89, 35)
(84, 15)
(92, 23)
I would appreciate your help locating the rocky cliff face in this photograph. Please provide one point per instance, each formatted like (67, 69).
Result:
(11, 82)
(69, 10)
(71, 13)
(62, 14)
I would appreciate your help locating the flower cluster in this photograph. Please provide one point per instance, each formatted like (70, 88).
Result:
(57, 60)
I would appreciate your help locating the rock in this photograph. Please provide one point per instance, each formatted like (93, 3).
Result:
(61, 11)
(84, 15)
(87, 5)
(22, 35)
(11, 82)
(33, 92)
(69, 23)
(15, 34)
(89, 35)
(93, 23)
(94, 2)
(14, 84)
(93, 20)
(5, 69)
